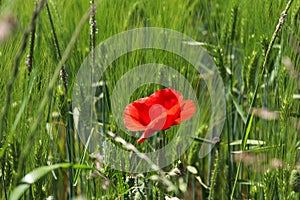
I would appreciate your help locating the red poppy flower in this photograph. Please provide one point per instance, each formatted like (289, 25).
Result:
(159, 111)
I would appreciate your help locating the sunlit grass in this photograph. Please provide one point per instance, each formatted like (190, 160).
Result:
(237, 34)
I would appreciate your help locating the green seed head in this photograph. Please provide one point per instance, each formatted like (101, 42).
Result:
(295, 180)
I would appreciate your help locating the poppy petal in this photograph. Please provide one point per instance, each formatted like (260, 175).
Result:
(188, 109)
(141, 111)
(156, 111)
(131, 119)
(173, 117)
(141, 140)
(146, 134)
(177, 121)
(156, 125)
(166, 97)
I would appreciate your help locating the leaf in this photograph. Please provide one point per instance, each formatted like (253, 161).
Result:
(256, 150)
(239, 110)
(192, 169)
(245, 136)
(249, 182)
(36, 174)
(249, 142)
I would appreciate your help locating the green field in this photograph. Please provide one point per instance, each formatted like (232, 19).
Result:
(255, 46)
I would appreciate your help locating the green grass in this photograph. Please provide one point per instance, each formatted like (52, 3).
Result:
(36, 122)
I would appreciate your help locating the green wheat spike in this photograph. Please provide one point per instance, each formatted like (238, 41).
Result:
(136, 15)
(245, 71)
(9, 165)
(57, 14)
(61, 101)
(295, 180)
(224, 34)
(193, 11)
(214, 175)
(286, 102)
(252, 69)
(243, 30)
(283, 182)
(233, 22)
(192, 158)
(39, 160)
(269, 181)
(193, 152)
(264, 43)
(221, 63)
(296, 14)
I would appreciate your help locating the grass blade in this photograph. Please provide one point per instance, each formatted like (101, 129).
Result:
(38, 173)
